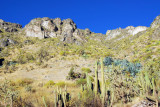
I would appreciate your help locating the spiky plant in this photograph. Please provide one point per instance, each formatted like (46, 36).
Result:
(96, 79)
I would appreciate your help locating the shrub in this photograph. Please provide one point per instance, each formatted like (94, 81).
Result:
(49, 84)
(124, 64)
(81, 81)
(42, 54)
(23, 82)
(62, 53)
(60, 84)
(28, 88)
(88, 70)
(108, 61)
(71, 73)
(24, 57)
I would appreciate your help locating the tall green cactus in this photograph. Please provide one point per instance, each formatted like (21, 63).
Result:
(148, 83)
(44, 102)
(103, 82)
(96, 79)
(61, 97)
(89, 83)
(55, 98)
(154, 87)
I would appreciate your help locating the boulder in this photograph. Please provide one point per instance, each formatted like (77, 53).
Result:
(87, 32)
(6, 41)
(68, 28)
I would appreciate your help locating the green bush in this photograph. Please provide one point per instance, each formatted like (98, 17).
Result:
(88, 70)
(81, 81)
(60, 84)
(49, 84)
(42, 54)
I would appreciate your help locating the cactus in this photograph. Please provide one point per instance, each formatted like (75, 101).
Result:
(96, 79)
(64, 99)
(79, 96)
(112, 97)
(89, 83)
(103, 82)
(148, 83)
(44, 102)
(82, 89)
(55, 99)
(142, 82)
(153, 85)
(61, 97)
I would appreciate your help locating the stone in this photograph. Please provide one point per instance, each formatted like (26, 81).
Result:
(87, 32)
(66, 30)
(130, 30)
(9, 27)
(6, 41)
(156, 22)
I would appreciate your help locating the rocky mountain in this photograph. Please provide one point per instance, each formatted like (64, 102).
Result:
(6, 30)
(156, 22)
(130, 30)
(9, 27)
(66, 30)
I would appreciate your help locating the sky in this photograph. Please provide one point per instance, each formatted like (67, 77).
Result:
(97, 15)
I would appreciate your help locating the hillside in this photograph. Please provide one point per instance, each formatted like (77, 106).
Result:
(50, 53)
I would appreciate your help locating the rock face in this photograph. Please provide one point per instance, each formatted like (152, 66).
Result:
(156, 22)
(6, 41)
(66, 30)
(156, 26)
(9, 27)
(130, 30)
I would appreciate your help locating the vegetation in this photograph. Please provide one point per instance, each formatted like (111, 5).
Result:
(100, 73)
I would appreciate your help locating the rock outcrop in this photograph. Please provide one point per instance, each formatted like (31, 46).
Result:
(6, 41)
(66, 30)
(156, 22)
(9, 27)
(156, 26)
(130, 30)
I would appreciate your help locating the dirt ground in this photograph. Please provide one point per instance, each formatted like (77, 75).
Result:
(55, 69)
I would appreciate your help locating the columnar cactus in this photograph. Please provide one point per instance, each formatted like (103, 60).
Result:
(96, 79)
(55, 98)
(89, 83)
(44, 102)
(61, 97)
(103, 82)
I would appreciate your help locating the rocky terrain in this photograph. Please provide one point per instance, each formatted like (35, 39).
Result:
(66, 30)
(42, 55)
(130, 30)
(9, 27)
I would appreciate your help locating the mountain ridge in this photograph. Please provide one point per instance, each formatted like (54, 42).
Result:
(67, 30)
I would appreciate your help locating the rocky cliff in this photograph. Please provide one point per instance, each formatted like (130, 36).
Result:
(66, 30)
(130, 30)
(156, 22)
(9, 27)
(156, 28)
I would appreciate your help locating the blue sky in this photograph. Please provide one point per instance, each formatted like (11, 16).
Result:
(97, 15)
